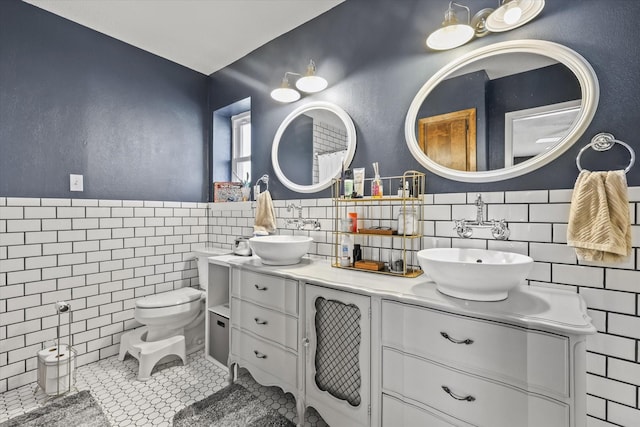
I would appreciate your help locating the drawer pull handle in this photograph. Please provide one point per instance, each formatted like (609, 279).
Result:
(455, 341)
(468, 398)
(260, 355)
(260, 288)
(260, 322)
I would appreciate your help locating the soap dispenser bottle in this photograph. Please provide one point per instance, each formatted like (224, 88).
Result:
(346, 250)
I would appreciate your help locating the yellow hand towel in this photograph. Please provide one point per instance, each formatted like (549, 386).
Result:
(265, 214)
(599, 223)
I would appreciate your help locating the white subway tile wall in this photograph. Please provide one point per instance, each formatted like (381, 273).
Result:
(97, 254)
(326, 139)
(138, 248)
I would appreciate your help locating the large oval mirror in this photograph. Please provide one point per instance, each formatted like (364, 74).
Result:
(502, 110)
(311, 145)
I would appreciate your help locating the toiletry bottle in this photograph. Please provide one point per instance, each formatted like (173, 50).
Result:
(358, 182)
(353, 216)
(407, 189)
(400, 190)
(348, 183)
(346, 250)
(376, 187)
(376, 183)
(357, 253)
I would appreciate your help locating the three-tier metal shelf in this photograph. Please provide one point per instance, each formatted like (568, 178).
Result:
(377, 225)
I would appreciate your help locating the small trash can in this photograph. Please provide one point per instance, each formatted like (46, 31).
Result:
(219, 337)
(56, 369)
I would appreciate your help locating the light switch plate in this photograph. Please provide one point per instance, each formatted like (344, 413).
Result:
(76, 182)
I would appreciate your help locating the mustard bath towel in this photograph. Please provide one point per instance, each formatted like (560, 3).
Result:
(599, 223)
(265, 214)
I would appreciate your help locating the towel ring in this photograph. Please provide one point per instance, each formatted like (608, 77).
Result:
(603, 142)
(264, 179)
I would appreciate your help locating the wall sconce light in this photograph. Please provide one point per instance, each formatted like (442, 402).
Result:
(308, 83)
(285, 93)
(452, 33)
(513, 13)
(510, 14)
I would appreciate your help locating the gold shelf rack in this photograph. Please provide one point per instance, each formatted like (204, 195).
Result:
(380, 213)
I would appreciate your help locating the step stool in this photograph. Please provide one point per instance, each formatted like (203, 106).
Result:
(150, 353)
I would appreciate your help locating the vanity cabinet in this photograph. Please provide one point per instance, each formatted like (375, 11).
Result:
(338, 355)
(441, 368)
(373, 350)
(264, 328)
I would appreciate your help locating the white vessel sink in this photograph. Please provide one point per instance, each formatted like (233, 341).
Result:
(280, 250)
(475, 274)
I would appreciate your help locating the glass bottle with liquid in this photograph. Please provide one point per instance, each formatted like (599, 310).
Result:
(376, 187)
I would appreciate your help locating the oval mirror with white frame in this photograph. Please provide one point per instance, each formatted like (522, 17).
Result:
(502, 110)
(311, 145)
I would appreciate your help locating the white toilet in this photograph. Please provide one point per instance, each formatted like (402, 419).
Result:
(174, 325)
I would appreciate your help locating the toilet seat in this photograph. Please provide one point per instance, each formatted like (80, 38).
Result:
(169, 299)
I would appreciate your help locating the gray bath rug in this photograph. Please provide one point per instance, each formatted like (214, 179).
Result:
(77, 410)
(233, 406)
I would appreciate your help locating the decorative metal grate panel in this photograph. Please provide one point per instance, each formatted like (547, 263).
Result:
(338, 343)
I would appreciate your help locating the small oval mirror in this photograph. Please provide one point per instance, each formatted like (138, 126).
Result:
(311, 145)
(501, 111)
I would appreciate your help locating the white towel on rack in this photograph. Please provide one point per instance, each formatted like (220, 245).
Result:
(599, 221)
(329, 164)
(265, 214)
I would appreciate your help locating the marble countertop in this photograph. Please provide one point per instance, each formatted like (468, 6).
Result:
(529, 306)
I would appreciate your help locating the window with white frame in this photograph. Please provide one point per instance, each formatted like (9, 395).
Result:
(241, 145)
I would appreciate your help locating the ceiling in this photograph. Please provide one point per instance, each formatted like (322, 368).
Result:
(204, 35)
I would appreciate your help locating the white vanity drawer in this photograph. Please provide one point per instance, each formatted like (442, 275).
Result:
(273, 360)
(472, 399)
(269, 291)
(269, 324)
(397, 413)
(533, 360)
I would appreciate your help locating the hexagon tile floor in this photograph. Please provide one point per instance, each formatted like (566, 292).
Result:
(129, 402)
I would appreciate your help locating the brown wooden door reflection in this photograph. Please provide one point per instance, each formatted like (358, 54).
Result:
(450, 139)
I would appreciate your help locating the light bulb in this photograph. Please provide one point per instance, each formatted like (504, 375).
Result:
(513, 13)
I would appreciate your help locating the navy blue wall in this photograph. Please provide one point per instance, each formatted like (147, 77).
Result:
(73, 100)
(373, 54)
(513, 93)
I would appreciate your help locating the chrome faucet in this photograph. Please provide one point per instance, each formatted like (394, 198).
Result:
(292, 206)
(499, 228)
(479, 209)
(300, 222)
